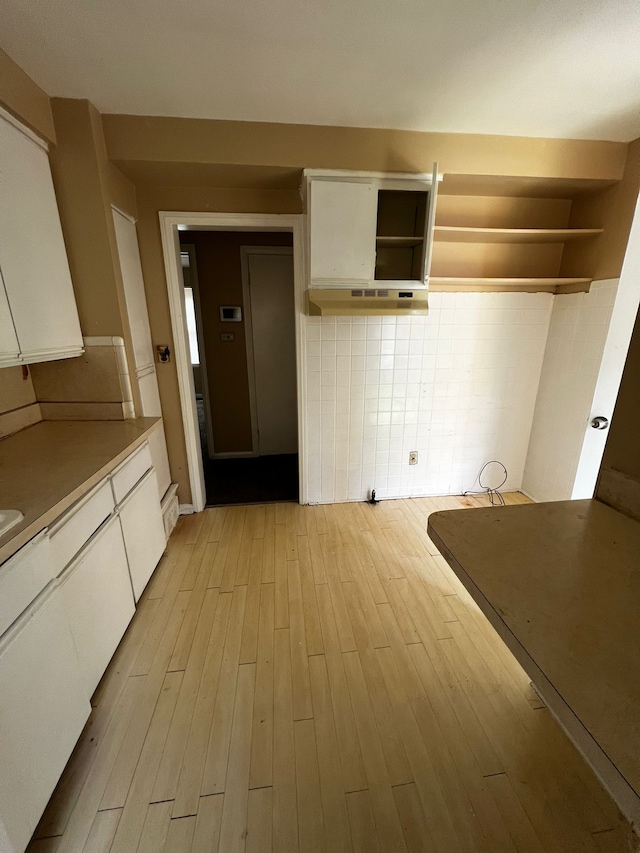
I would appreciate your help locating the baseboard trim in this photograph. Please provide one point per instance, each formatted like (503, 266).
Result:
(187, 509)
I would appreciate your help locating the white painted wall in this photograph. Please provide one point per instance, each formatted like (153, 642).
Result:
(458, 386)
(577, 336)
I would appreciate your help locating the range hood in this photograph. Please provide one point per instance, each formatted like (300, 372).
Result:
(340, 302)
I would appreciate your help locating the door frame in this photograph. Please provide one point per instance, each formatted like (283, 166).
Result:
(245, 253)
(170, 223)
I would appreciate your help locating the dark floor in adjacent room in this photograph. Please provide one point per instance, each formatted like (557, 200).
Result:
(248, 480)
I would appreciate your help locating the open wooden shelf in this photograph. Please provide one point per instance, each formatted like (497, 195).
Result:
(393, 242)
(516, 234)
(526, 285)
(460, 234)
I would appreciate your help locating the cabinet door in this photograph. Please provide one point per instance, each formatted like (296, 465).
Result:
(23, 577)
(98, 601)
(342, 219)
(430, 224)
(44, 707)
(32, 252)
(143, 530)
(9, 349)
(160, 459)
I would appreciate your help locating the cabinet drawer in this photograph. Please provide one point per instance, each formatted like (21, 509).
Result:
(143, 531)
(130, 471)
(78, 524)
(44, 708)
(98, 601)
(23, 577)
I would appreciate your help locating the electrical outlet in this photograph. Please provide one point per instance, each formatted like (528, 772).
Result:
(413, 457)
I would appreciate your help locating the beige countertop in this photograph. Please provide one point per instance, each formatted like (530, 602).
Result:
(560, 582)
(47, 467)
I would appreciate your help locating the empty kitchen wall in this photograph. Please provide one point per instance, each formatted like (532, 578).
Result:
(250, 150)
(459, 386)
(173, 162)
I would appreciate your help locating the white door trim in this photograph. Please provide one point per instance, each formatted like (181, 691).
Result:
(169, 223)
(245, 252)
(190, 249)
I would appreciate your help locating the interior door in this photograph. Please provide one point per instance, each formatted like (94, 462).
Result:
(625, 309)
(273, 339)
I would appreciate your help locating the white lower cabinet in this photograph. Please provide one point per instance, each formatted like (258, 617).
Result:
(143, 530)
(66, 599)
(98, 601)
(43, 708)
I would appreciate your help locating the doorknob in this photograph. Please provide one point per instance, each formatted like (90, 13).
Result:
(600, 423)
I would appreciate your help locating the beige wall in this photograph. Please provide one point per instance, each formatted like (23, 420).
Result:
(86, 186)
(122, 193)
(18, 406)
(80, 177)
(220, 283)
(612, 210)
(16, 390)
(144, 138)
(25, 99)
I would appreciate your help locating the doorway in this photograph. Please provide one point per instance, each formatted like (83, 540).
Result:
(240, 317)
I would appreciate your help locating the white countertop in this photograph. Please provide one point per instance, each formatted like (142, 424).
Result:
(560, 582)
(47, 467)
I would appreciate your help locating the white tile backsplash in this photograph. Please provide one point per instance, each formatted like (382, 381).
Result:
(459, 386)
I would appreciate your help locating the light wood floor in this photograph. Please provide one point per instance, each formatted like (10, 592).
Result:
(316, 679)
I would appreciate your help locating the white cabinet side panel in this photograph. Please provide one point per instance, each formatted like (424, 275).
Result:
(44, 708)
(160, 459)
(129, 254)
(150, 395)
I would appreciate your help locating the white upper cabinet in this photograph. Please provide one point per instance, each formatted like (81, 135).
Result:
(33, 259)
(9, 349)
(369, 228)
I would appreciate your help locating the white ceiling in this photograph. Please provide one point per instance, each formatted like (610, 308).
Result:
(557, 68)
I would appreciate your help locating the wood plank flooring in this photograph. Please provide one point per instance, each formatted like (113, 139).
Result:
(316, 679)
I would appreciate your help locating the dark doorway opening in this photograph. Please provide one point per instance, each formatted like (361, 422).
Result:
(240, 287)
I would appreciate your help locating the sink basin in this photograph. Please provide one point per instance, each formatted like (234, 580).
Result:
(9, 517)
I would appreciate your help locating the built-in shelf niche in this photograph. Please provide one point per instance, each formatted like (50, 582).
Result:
(400, 235)
(491, 236)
